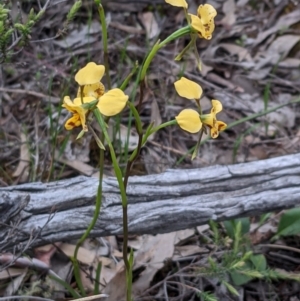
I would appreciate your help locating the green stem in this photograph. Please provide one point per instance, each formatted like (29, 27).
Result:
(177, 34)
(163, 125)
(149, 133)
(105, 43)
(120, 183)
(91, 226)
(136, 115)
(262, 113)
(113, 156)
(158, 45)
(129, 76)
(66, 285)
(81, 94)
(148, 60)
(97, 279)
(129, 165)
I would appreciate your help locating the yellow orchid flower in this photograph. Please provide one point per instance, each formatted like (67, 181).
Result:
(112, 102)
(72, 122)
(189, 120)
(178, 3)
(93, 90)
(78, 112)
(188, 89)
(90, 74)
(203, 22)
(211, 121)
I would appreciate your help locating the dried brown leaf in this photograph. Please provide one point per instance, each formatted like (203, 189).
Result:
(11, 272)
(151, 256)
(84, 255)
(229, 11)
(23, 166)
(189, 250)
(284, 22)
(15, 284)
(150, 24)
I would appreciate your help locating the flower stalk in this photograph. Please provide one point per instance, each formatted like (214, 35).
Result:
(94, 101)
(104, 43)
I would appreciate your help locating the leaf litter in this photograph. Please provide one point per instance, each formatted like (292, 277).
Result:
(251, 63)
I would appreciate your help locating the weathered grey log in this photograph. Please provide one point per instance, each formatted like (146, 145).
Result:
(174, 200)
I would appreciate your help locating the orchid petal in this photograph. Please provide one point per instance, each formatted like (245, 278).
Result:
(112, 102)
(188, 89)
(189, 120)
(90, 74)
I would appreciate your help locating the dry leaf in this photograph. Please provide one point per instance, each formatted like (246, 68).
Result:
(232, 49)
(202, 228)
(262, 233)
(189, 250)
(155, 250)
(78, 38)
(229, 11)
(151, 256)
(14, 284)
(84, 255)
(122, 135)
(78, 149)
(277, 51)
(183, 235)
(23, 166)
(155, 116)
(283, 45)
(283, 23)
(11, 272)
(116, 287)
(80, 166)
(150, 24)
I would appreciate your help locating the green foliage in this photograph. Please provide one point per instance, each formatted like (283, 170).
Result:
(16, 34)
(207, 296)
(71, 15)
(232, 225)
(25, 29)
(5, 32)
(238, 263)
(214, 227)
(230, 288)
(21, 30)
(3, 13)
(289, 223)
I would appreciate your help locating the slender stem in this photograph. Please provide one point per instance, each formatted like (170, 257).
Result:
(129, 76)
(194, 155)
(163, 125)
(66, 285)
(262, 113)
(104, 42)
(149, 133)
(175, 35)
(81, 94)
(158, 45)
(125, 208)
(91, 226)
(124, 203)
(142, 87)
(148, 60)
(123, 195)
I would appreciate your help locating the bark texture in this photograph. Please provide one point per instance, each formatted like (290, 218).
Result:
(174, 200)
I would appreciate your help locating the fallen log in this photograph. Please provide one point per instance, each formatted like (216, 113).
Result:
(174, 200)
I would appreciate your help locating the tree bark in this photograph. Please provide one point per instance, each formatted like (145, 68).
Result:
(174, 200)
